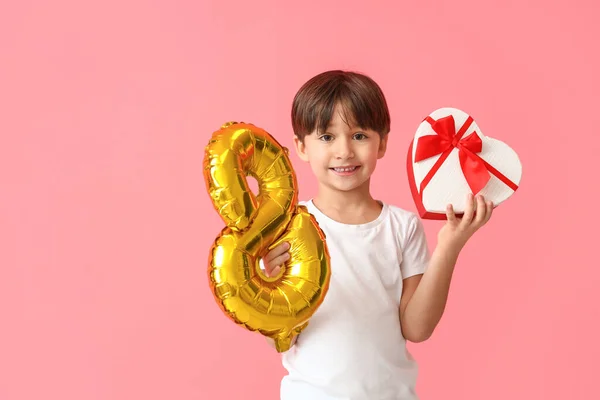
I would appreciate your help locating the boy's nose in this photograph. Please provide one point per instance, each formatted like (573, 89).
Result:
(344, 150)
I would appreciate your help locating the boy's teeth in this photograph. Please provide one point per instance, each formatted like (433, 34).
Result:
(348, 169)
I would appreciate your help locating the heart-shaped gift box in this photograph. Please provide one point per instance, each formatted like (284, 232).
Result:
(450, 157)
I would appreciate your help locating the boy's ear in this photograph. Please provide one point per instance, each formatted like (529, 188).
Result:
(300, 148)
(382, 146)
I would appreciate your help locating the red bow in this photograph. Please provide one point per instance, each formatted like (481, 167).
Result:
(473, 167)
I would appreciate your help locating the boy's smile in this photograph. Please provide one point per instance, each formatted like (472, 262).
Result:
(345, 170)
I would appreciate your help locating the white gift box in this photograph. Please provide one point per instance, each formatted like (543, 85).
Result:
(450, 157)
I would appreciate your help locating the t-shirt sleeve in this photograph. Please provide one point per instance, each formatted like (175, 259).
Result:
(415, 250)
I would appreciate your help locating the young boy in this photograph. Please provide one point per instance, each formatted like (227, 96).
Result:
(385, 286)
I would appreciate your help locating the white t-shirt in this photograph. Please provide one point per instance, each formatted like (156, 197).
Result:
(353, 348)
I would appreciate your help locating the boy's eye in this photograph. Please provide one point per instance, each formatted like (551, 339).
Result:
(326, 138)
(360, 136)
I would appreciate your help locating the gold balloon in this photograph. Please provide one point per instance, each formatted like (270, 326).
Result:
(280, 306)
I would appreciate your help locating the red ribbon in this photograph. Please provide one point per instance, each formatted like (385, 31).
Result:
(475, 169)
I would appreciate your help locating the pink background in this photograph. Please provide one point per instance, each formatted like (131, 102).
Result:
(105, 223)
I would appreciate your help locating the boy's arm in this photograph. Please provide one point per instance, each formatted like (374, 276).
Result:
(424, 296)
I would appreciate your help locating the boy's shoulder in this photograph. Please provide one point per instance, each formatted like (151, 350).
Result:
(403, 220)
(400, 212)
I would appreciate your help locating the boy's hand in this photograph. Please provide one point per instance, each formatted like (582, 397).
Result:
(275, 258)
(457, 231)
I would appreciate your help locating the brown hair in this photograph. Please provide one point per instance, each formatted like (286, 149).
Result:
(359, 96)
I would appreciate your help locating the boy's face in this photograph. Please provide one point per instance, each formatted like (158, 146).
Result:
(343, 157)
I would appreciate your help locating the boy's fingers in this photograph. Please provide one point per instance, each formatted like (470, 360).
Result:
(481, 212)
(276, 252)
(489, 208)
(469, 211)
(450, 213)
(277, 261)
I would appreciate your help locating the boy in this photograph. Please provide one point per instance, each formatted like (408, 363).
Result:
(385, 286)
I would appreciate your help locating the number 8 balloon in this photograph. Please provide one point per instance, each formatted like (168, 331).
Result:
(280, 306)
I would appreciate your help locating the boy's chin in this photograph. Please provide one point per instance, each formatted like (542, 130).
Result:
(347, 187)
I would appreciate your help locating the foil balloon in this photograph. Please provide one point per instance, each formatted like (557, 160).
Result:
(279, 306)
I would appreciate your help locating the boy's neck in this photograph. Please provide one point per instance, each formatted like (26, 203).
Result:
(353, 207)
